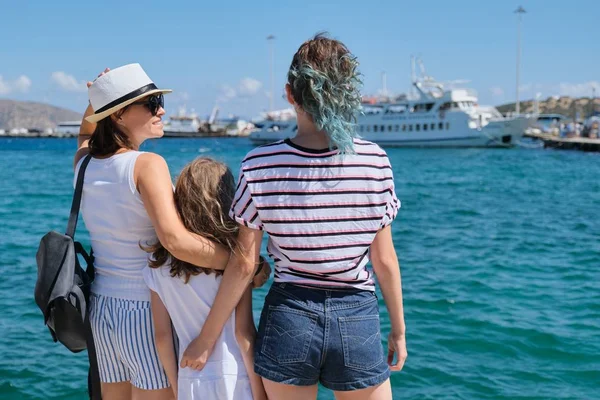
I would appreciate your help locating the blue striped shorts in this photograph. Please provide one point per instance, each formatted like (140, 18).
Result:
(124, 339)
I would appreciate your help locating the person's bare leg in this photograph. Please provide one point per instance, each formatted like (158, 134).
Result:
(289, 392)
(159, 394)
(116, 391)
(382, 391)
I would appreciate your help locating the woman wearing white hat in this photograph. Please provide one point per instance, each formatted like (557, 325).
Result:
(128, 201)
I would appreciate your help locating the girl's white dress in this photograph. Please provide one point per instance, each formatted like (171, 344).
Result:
(224, 377)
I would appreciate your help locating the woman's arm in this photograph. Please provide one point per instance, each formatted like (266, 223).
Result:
(236, 278)
(85, 130)
(153, 180)
(245, 333)
(386, 267)
(163, 336)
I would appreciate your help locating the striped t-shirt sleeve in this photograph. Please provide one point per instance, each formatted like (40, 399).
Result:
(243, 209)
(392, 205)
(391, 209)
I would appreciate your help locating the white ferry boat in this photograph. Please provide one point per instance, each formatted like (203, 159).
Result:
(284, 114)
(182, 125)
(436, 117)
(68, 128)
(190, 125)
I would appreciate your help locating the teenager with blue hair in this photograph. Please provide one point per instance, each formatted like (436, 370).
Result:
(326, 199)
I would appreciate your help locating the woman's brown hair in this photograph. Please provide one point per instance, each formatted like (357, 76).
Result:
(108, 138)
(203, 195)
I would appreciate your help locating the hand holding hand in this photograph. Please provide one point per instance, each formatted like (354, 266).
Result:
(263, 275)
(197, 353)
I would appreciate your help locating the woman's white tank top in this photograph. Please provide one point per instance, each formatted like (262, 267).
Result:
(118, 223)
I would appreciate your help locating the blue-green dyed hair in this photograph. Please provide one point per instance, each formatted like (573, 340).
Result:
(325, 82)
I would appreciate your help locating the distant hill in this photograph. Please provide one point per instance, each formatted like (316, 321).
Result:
(26, 114)
(564, 105)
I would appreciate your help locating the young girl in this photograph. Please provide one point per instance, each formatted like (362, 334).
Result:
(326, 200)
(182, 294)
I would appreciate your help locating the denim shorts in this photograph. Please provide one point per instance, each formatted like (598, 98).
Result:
(309, 335)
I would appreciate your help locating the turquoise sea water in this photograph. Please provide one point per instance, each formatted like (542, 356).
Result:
(500, 256)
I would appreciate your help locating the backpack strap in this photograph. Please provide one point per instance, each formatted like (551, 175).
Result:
(89, 259)
(72, 225)
(94, 387)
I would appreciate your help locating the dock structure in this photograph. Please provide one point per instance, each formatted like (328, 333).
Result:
(575, 143)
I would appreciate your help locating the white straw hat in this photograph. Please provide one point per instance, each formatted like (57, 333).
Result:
(118, 88)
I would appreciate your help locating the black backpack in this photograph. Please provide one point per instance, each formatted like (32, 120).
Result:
(62, 289)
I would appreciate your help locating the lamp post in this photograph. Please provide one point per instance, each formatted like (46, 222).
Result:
(519, 11)
(271, 40)
(593, 113)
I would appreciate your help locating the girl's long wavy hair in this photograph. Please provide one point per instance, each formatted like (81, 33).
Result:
(204, 192)
(325, 83)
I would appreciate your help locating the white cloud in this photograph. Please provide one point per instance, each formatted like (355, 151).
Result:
(68, 82)
(185, 96)
(584, 89)
(21, 84)
(528, 91)
(246, 87)
(4, 86)
(456, 83)
(526, 87)
(577, 89)
(497, 91)
(227, 93)
(178, 97)
(249, 86)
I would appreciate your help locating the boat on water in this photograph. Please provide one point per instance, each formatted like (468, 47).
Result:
(433, 117)
(274, 121)
(285, 114)
(546, 124)
(182, 124)
(190, 125)
(233, 126)
(67, 128)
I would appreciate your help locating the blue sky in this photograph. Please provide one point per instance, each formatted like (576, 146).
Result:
(217, 51)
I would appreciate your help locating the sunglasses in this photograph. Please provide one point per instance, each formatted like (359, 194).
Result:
(154, 103)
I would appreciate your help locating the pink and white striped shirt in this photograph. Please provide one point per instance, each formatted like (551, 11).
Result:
(320, 209)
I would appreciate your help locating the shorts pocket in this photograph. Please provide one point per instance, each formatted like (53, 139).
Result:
(288, 334)
(361, 341)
